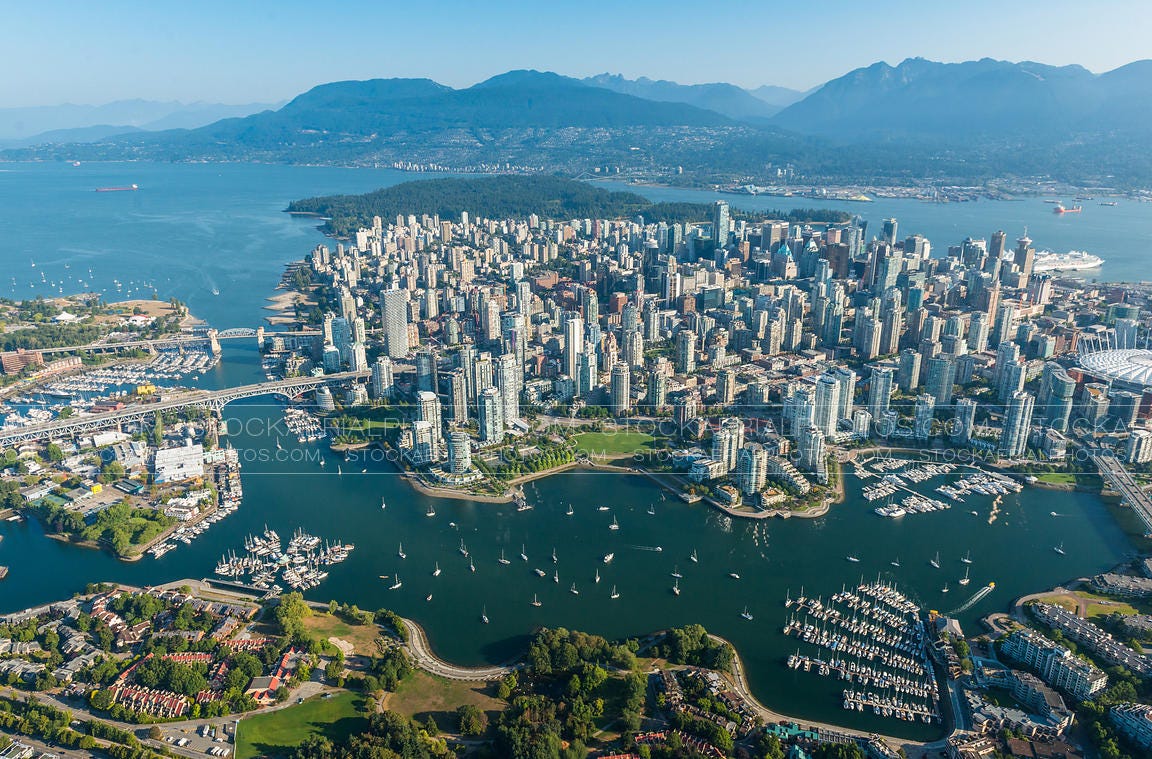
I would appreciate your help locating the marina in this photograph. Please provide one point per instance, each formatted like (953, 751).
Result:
(876, 642)
(302, 566)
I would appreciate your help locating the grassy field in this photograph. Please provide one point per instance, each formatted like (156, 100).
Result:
(613, 443)
(422, 695)
(1099, 606)
(1057, 478)
(276, 733)
(362, 637)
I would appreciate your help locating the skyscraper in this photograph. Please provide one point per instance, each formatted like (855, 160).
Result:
(508, 382)
(963, 422)
(941, 377)
(394, 307)
(428, 410)
(879, 391)
(752, 468)
(1017, 422)
(490, 415)
(1057, 394)
(721, 223)
(382, 382)
(685, 352)
(827, 405)
(727, 441)
(908, 375)
(923, 415)
(459, 452)
(621, 390)
(573, 344)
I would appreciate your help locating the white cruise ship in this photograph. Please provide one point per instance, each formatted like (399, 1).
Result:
(1076, 260)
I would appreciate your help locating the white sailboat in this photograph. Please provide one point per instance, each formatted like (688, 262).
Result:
(484, 614)
(401, 553)
(936, 561)
(693, 557)
(431, 511)
(523, 554)
(463, 548)
(502, 560)
(397, 584)
(676, 572)
(569, 512)
(471, 565)
(1060, 548)
(945, 588)
(383, 505)
(614, 593)
(964, 580)
(608, 558)
(597, 575)
(895, 563)
(573, 590)
(556, 575)
(615, 525)
(745, 614)
(967, 557)
(535, 600)
(676, 587)
(436, 571)
(554, 559)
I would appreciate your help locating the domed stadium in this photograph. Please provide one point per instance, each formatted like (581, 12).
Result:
(1127, 366)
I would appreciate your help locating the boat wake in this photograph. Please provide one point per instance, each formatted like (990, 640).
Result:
(975, 599)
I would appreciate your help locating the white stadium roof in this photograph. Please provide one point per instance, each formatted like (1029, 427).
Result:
(1128, 365)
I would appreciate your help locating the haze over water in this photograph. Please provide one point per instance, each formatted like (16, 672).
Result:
(192, 228)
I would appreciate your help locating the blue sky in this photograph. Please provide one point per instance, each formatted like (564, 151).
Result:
(235, 52)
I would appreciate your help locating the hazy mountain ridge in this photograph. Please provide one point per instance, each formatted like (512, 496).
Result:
(723, 98)
(26, 124)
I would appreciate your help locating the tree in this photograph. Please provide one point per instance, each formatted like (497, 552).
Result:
(155, 733)
(290, 614)
(472, 721)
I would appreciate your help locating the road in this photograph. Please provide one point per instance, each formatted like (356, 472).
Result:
(423, 657)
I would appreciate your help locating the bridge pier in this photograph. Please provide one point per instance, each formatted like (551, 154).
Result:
(214, 342)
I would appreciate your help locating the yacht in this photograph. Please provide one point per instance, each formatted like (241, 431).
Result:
(746, 615)
(676, 587)
(436, 571)
(401, 553)
(967, 558)
(1059, 549)
(540, 572)
(429, 598)
(484, 614)
(1053, 513)
(693, 558)
(535, 600)
(964, 580)
(936, 561)
(945, 588)
(523, 554)
(615, 594)
(502, 560)
(615, 525)
(602, 508)
(734, 575)
(431, 511)
(608, 558)
(853, 559)
(676, 572)
(573, 590)
(397, 584)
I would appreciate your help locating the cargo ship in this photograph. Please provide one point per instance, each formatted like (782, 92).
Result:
(129, 188)
(1060, 209)
(1076, 260)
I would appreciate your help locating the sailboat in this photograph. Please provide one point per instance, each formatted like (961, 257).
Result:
(471, 565)
(967, 558)
(429, 598)
(463, 548)
(676, 572)
(693, 558)
(895, 563)
(523, 554)
(502, 560)
(676, 587)
(278, 446)
(431, 511)
(614, 593)
(734, 575)
(556, 575)
(554, 559)
(615, 525)
(401, 553)
(569, 512)
(339, 471)
(484, 614)
(573, 590)
(745, 614)
(436, 571)
(535, 600)
(652, 510)
(964, 580)
(1059, 549)
(383, 505)
(853, 559)
(608, 558)
(945, 588)
(597, 575)
(397, 584)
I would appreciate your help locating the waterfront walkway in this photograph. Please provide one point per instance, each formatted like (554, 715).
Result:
(422, 657)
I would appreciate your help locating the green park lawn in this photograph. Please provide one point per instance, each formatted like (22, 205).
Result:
(423, 695)
(613, 443)
(275, 733)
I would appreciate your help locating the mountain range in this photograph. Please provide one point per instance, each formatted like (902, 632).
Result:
(84, 123)
(917, 120)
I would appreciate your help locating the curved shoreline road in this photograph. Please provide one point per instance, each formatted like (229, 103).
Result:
(423, 657)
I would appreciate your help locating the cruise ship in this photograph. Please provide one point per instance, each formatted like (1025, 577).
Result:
(1076, 260)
